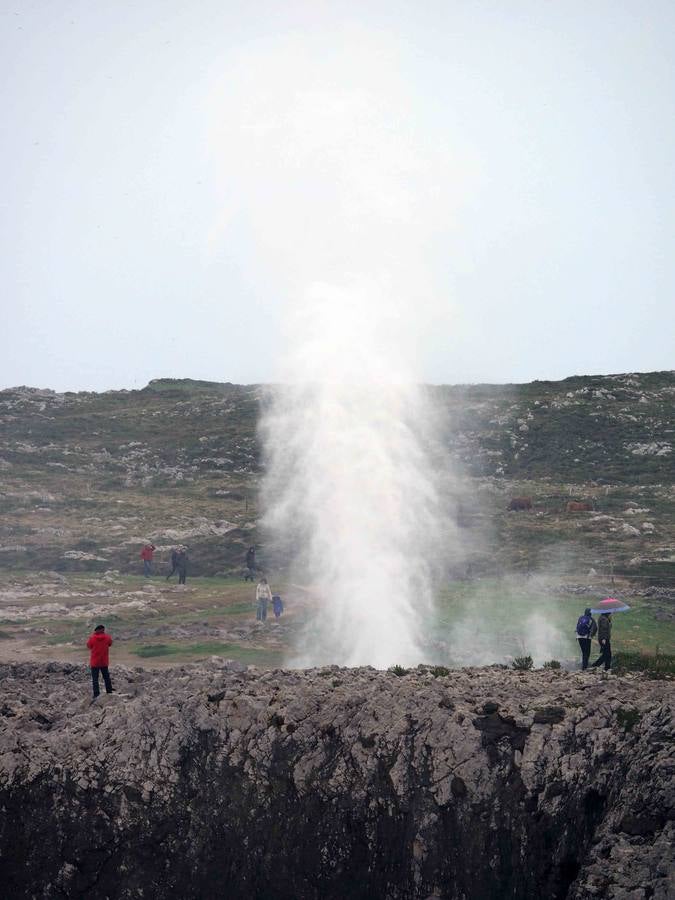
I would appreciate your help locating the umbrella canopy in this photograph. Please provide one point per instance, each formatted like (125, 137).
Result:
(610, 605)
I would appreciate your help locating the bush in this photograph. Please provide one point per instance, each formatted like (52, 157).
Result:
(657, 665)
(522, 663)
(628, 718)
(398, 670)
(551, 664)
(439, 671)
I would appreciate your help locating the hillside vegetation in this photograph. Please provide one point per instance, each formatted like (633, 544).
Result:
(87, 478)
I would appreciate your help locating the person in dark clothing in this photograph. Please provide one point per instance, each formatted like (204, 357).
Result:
(586, 631)
(250, 564)
(605, 641)
(277, 605)
(181, 564)
(174, 562)
(99, 646)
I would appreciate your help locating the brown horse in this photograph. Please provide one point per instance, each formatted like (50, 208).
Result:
(520, 503)
(580, 506)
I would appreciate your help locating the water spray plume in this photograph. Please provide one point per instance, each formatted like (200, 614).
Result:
(342, 196)
(349, 479)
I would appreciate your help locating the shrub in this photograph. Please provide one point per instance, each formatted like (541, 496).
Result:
(657, 665)
(551, 664)
(398, 670)
(628, 718)
(439, 671)
(522, 663)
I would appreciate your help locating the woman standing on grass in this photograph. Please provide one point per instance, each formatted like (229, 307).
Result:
(263, 596)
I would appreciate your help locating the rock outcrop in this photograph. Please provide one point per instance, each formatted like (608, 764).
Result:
(208, 782)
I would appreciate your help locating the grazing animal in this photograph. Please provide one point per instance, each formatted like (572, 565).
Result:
(579, 506)
(520, 503)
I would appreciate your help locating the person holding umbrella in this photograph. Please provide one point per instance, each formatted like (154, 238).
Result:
(604, 609)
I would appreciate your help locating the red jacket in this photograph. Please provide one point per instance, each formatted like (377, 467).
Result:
(99, 643)
(146, 552)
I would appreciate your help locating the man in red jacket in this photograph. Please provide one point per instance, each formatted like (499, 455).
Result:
(146, 555)
(99, 645)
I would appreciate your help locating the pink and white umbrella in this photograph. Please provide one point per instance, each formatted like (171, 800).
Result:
(610, 605)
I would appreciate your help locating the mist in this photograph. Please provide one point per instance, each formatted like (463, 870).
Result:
(346, 193)
(350, 479)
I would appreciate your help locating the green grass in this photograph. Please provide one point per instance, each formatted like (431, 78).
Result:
(68, 638)
(467, 612)
(503, 606)
(202, 649)
(654, 665)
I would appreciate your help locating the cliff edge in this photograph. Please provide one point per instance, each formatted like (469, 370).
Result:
(209, 781)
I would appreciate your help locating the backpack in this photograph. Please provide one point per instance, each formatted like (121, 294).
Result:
(584, 626)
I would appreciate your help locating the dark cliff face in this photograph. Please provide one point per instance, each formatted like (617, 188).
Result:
(204, 782)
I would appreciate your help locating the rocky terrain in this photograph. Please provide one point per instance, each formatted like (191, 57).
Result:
(220, 780)
(86, 479)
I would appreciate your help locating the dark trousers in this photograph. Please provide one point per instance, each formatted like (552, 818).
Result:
(106, 679)
(585, 644)
(182, 575)
(605, 655)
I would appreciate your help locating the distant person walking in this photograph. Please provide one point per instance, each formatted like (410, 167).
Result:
(174, 562)
(263, 596)
(586, 631)
(277, 605)
(605, 641)
(250, 564)
(182, 564)
(146, 555)
(99, 646)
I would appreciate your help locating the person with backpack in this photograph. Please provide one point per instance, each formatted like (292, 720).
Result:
(586, 630)
(605, 641)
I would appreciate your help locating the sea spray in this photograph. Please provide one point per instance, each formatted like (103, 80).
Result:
(333, 168)
(349, 478)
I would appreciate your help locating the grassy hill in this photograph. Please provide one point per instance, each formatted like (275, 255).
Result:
(87, 478)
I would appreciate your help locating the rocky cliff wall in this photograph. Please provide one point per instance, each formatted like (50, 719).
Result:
(208, 782)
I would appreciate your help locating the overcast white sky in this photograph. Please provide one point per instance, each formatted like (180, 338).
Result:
(174, 173)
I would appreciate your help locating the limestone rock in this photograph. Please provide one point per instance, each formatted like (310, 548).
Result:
(207, 781)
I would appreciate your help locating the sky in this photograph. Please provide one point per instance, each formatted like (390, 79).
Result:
(176, 174)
